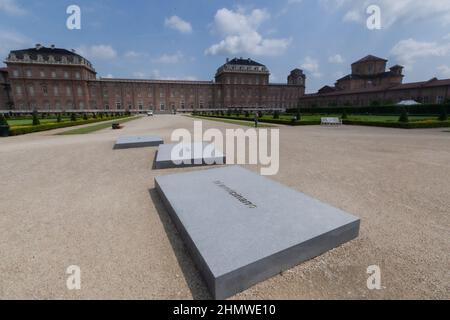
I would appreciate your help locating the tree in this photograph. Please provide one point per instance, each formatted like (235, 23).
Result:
(276, 114)
(59, 118)
(73, 117)
(4, 126)
(3, 121)
(85, 117)
(298, 114)
(344, 115)
(443, 116)
(36, 121)
(404, 116)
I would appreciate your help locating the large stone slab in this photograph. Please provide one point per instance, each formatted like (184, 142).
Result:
(195, 154)
(242, 228)
(138, 142)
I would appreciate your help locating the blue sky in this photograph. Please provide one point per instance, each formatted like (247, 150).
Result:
(181, 39)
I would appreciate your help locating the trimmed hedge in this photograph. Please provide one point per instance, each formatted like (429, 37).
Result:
(272, 121)
(15, 131)
(423, 109)
(400, 125)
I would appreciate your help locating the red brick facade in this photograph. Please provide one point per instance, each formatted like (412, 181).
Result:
(370, 83)
(50, 79)
(5, 92)
(53, 80)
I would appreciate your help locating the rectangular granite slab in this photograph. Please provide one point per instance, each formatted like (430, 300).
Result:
(195, 154)
(242, 228)
(138, 142)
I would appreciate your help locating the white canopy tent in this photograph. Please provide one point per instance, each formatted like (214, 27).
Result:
(408, 103)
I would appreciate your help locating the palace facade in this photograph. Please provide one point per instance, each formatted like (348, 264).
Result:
(371, 84)
(49, 79)
(5, 90)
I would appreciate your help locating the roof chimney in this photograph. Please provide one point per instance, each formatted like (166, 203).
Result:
(52, 46)
(228, 60)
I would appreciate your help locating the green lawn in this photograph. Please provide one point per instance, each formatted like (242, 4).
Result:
(245, 123)
(96, 127)
(29, 122)
(355, 117)
(317, 117)
(390, 121)
(389, 118)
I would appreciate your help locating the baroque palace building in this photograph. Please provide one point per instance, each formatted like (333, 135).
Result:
(370, 84)
(49, 79)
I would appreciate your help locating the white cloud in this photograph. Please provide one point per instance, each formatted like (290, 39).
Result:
(409, 50)
(11, 7)
(353, 16)
(11, 40)
(176, 23)
(156, 74)
(169, 58)
(394, 11)
(240, 32)
(337, 58)
(139, 75)
(109, 76)
(289, 4)
(133, 54)
(444, 71)
(103, 52)
(312, 66)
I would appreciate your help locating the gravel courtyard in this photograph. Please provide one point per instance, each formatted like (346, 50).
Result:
(73, 200)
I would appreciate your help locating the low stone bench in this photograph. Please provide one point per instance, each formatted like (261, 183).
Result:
(331, 121)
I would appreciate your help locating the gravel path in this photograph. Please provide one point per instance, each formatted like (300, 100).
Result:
(73, 200)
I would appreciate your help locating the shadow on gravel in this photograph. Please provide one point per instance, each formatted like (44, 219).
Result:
(191, 274)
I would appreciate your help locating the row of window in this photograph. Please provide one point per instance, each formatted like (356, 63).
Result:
(93, 105)
(181, 94)
(162, 92)
(424, 99)
(45, 91)
(43, 74)
(173, 93)
(162, 106)
(80, 92)
(246, 80)
(243, 68)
